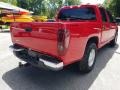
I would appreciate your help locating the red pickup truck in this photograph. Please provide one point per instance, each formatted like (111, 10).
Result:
(75, 36)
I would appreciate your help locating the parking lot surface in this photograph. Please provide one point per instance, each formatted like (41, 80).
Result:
(105, 76)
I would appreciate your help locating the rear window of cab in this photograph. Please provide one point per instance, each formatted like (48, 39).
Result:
(82, 13)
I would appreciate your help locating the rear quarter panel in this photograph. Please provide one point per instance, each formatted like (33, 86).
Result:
(80, 33)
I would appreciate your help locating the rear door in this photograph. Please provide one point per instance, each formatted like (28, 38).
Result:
(112, 25)
(105, 26)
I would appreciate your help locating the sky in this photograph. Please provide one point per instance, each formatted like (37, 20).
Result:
(93, 1)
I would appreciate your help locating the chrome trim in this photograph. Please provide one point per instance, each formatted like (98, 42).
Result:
(12, 48)
(20, 29)
(97, 28)
(112, 26)
(51, 65)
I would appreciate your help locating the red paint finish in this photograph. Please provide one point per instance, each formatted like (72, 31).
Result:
(44, 36)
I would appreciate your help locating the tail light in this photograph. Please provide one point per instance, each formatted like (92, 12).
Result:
(63, 41)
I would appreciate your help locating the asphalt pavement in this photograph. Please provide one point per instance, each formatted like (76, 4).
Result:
(105, 76)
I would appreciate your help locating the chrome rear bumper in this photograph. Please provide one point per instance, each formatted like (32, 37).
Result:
(51, 65)
(13, 48)
(47, 63)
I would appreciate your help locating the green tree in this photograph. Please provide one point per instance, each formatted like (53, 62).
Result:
(14, 2)
(36, 6)
(106, 3)
(113, 6)
(55, 5)
(72, 2)
(45, 7)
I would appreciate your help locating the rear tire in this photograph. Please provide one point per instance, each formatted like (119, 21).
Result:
(89, 58)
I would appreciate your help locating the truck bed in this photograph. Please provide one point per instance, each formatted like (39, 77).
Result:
(41, 37)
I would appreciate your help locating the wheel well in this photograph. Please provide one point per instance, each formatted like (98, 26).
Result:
(93, 40)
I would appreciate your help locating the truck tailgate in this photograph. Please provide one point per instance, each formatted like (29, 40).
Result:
(41, 37)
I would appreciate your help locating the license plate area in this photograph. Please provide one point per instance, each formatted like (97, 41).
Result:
(32, 53)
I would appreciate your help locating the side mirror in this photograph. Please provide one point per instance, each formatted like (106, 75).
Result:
(117, 20)
(114, 21)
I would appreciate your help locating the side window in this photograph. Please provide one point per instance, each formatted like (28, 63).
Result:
(110, 16)
(103, 14)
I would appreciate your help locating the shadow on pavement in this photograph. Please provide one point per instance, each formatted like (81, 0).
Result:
(31, 78)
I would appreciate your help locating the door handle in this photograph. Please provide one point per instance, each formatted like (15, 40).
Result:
(28, 29)
(97, 28)
(103, 27)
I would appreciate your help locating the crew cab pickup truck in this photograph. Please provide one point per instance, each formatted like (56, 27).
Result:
(74, 37)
